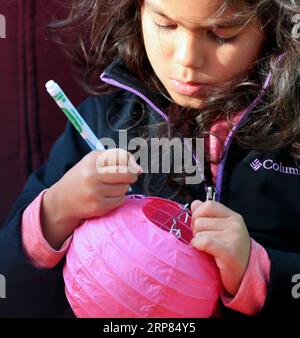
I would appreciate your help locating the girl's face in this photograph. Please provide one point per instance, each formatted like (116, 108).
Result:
(190, 50)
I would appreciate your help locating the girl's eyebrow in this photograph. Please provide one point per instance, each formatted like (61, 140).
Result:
(232, 22)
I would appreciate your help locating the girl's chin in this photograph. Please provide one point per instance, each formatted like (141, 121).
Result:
(188, 101)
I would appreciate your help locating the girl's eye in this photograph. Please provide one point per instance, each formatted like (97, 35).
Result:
(221, 40)
(166, 27)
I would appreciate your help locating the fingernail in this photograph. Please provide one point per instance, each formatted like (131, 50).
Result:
(133, 165)
(195, 204)
(140, 171)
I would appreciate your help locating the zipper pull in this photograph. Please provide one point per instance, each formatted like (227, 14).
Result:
(211, 193)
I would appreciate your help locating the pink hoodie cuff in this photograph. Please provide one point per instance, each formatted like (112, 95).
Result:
(252, 293)
(40, 252)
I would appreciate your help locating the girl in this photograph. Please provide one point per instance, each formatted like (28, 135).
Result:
(226, 71)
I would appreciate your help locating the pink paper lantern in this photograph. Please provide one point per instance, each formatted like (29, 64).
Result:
(127, 264)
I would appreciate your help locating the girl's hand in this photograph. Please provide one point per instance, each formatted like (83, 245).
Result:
(222, 233)
(93, 187)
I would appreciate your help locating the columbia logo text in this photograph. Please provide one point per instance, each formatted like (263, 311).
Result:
(2, 27)
(296, 287)
(274, 166)
(2, 287)
(256, 164)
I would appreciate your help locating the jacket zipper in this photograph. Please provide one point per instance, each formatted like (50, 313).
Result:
(212, 192)
(229, 137)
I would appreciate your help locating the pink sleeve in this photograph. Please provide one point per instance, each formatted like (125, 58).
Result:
(40, 252)
(251, 295)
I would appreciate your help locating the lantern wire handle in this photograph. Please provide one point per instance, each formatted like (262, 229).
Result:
(174, 230)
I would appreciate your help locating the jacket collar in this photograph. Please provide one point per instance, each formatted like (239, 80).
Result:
(118, 75)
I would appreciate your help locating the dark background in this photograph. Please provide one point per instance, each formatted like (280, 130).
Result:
(30, 121)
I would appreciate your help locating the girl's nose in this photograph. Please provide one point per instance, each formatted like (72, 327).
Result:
(189, 51)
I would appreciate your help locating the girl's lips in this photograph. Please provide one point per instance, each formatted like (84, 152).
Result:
(191, 88)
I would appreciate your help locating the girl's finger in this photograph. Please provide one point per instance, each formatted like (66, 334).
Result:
(113, 202)
(116, 174)
(212, 209)
(195, 204)
(208, 241)
(112, 190)
(208, 224)
(115, 157)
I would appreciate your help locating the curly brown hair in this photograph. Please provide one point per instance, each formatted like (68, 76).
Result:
(107, 29)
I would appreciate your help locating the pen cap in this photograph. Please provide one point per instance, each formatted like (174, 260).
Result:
(52, 88)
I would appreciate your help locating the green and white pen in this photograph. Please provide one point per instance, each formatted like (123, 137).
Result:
(74, 117)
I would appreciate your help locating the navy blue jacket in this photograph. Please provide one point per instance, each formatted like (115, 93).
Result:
(262, 187)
